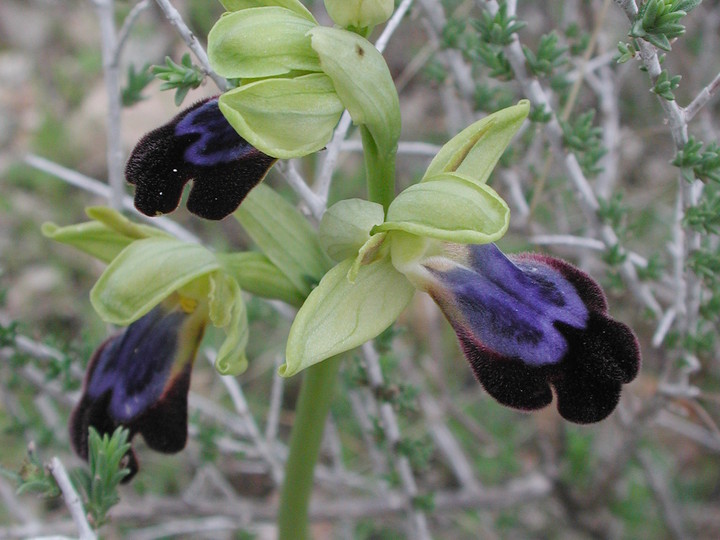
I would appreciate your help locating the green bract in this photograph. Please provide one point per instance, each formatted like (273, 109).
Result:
(359, 13)
(261, 42)
(257, 275)
(284, 236)
(362, 295)
(284, 118)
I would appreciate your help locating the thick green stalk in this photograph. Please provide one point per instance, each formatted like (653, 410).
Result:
(312, 408)
(316, 392)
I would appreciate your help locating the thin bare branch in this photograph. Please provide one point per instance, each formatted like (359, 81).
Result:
(72, 499)
(174, 17)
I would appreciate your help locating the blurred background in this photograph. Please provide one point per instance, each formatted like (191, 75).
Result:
(455, 465)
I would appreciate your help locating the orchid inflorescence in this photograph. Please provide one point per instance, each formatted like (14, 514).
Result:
(529, 325)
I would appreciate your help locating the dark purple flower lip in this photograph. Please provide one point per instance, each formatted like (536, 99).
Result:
(199, 145)
(140, 379)
(530, 323)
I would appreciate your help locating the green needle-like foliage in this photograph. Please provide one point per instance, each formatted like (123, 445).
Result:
(181, 77)
(136, 83)
(657, 21)
(665, 85)
(549, 57)
(497, 29)
(106, 471)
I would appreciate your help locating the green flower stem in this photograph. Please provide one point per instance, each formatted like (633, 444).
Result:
(380, 170)
(311, 411)
(316, 392)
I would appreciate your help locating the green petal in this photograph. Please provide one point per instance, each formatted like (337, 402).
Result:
(227, 311)
(346, 226)
(449, 207)
(293, 5)
(363, 82)
(284, 118)
(338, 315)
(261, 42)
(475, 151)
(144, 274)
(256, 274)
(284, 236)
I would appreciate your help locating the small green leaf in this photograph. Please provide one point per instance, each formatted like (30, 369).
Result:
(475, 151)
(449, 207)
(144, 274)
(257, 275)
(284, 118)
(346, 226)
(339, 316)
(180, 77)
(362, 81)
(284, 236)
(261, 42)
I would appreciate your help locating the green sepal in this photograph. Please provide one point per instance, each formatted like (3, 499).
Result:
(363, 82)
(475, 151)
(449, 207)
(261, 42)
(145, 273)
(284, 117)
(91, 237)
(104, 238)
(227, 311)
(257, 275)
(293, 5)
(359, 13)
(118, 222)
(339, 316)
(284, 236)
(346, 226)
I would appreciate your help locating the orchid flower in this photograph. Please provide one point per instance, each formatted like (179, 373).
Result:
(140, 379)
(526, 323)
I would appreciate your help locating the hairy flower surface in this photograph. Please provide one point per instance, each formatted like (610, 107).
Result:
(199, 145)
(529, 322)
(140, 379)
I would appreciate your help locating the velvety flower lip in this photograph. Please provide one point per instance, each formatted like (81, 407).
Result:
(199, 145)
(140, 379)
(529, 322)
